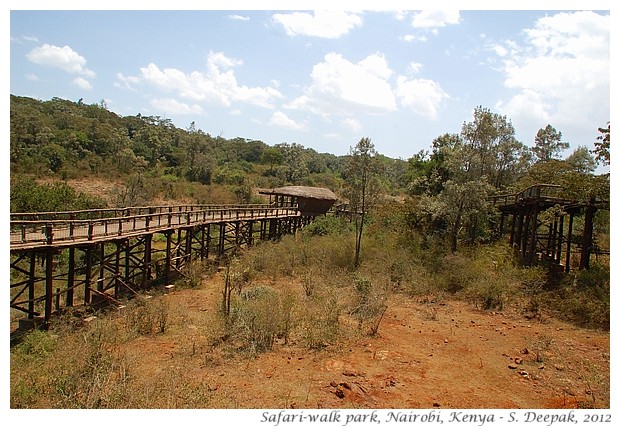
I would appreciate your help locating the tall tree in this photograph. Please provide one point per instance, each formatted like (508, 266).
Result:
(362, 186)
(582, 160)
(548, 144)
(601, 145)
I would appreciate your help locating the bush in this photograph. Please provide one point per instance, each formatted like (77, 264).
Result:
(29, 196)
(261, 314)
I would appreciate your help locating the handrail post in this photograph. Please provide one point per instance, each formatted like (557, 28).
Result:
(49, 233)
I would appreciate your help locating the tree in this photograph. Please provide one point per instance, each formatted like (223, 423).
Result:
(548, 144)
(581, 160)
(601, 145)
(463, 207)
(362, 186)
(271, 156)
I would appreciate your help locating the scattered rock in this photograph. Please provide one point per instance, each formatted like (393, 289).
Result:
(512, 366)
(518, 360)
(339, 393)
(525, 351)
(436, 405)
(559, 367)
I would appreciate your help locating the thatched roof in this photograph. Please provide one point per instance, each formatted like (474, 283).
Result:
(302, 191)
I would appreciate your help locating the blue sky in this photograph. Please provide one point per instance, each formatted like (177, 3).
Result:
(324, 79)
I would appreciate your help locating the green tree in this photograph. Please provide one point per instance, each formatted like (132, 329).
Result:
(362, 186)
(271, 156)
(548, 144)
(601, 145)
(582, 160)
(463, 207)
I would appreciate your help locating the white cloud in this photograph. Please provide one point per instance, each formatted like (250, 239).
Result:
(172, 106)
(218, 85)
(339, 86)
(435, 18)
(413, 38)
(352, 124)
(239, 18)
(128, 82)
(414, 67)
(32, 76)
(280, 119)
(30, 38)
(326, 24)
(63, 58)
(423, 96)
(561, 73)
(82, 83)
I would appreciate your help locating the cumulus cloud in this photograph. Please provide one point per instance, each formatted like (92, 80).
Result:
(82, 83)
(339, 85)
(217, 85)
(353, 124)
(435, 18)
(560, 72)
(423, 96)
(414, 37)
(63, 58)
(280, 119)
(326, 24)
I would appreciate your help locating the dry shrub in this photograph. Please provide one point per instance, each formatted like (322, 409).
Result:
(259, 315)
(144, 316)
(319, 318)
(371, 304)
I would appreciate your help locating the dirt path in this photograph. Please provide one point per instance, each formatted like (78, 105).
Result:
(446, 355)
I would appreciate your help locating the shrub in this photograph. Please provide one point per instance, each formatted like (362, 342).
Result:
(261, 314)
(319, 320)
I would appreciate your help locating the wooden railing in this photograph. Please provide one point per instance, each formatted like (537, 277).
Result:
(545, 191)
(58, 228)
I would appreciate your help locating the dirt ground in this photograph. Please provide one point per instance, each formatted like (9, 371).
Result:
(426, 355)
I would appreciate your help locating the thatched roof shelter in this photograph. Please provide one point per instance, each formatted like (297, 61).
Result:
(302, 191)
(310, 200)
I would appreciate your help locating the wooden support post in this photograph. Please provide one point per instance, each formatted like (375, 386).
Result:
(33, 259)
(569, 240)
(117, 268)
(532, 239)
(146, 269)
(220, 246)
(177, 253)
(588, 232)
(250, 233)
(49, 282)
(168, 256)
(101, 268)
(87, 274)
(70, 277)
(560, 240)
(512, 229)
(523, 233)
(189, 234)
(208, 243)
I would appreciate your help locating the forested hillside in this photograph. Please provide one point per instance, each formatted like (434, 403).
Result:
(68, 140)
(150, 159)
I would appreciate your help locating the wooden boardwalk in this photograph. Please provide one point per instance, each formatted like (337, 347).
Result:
(90, 257)
(550, 239)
